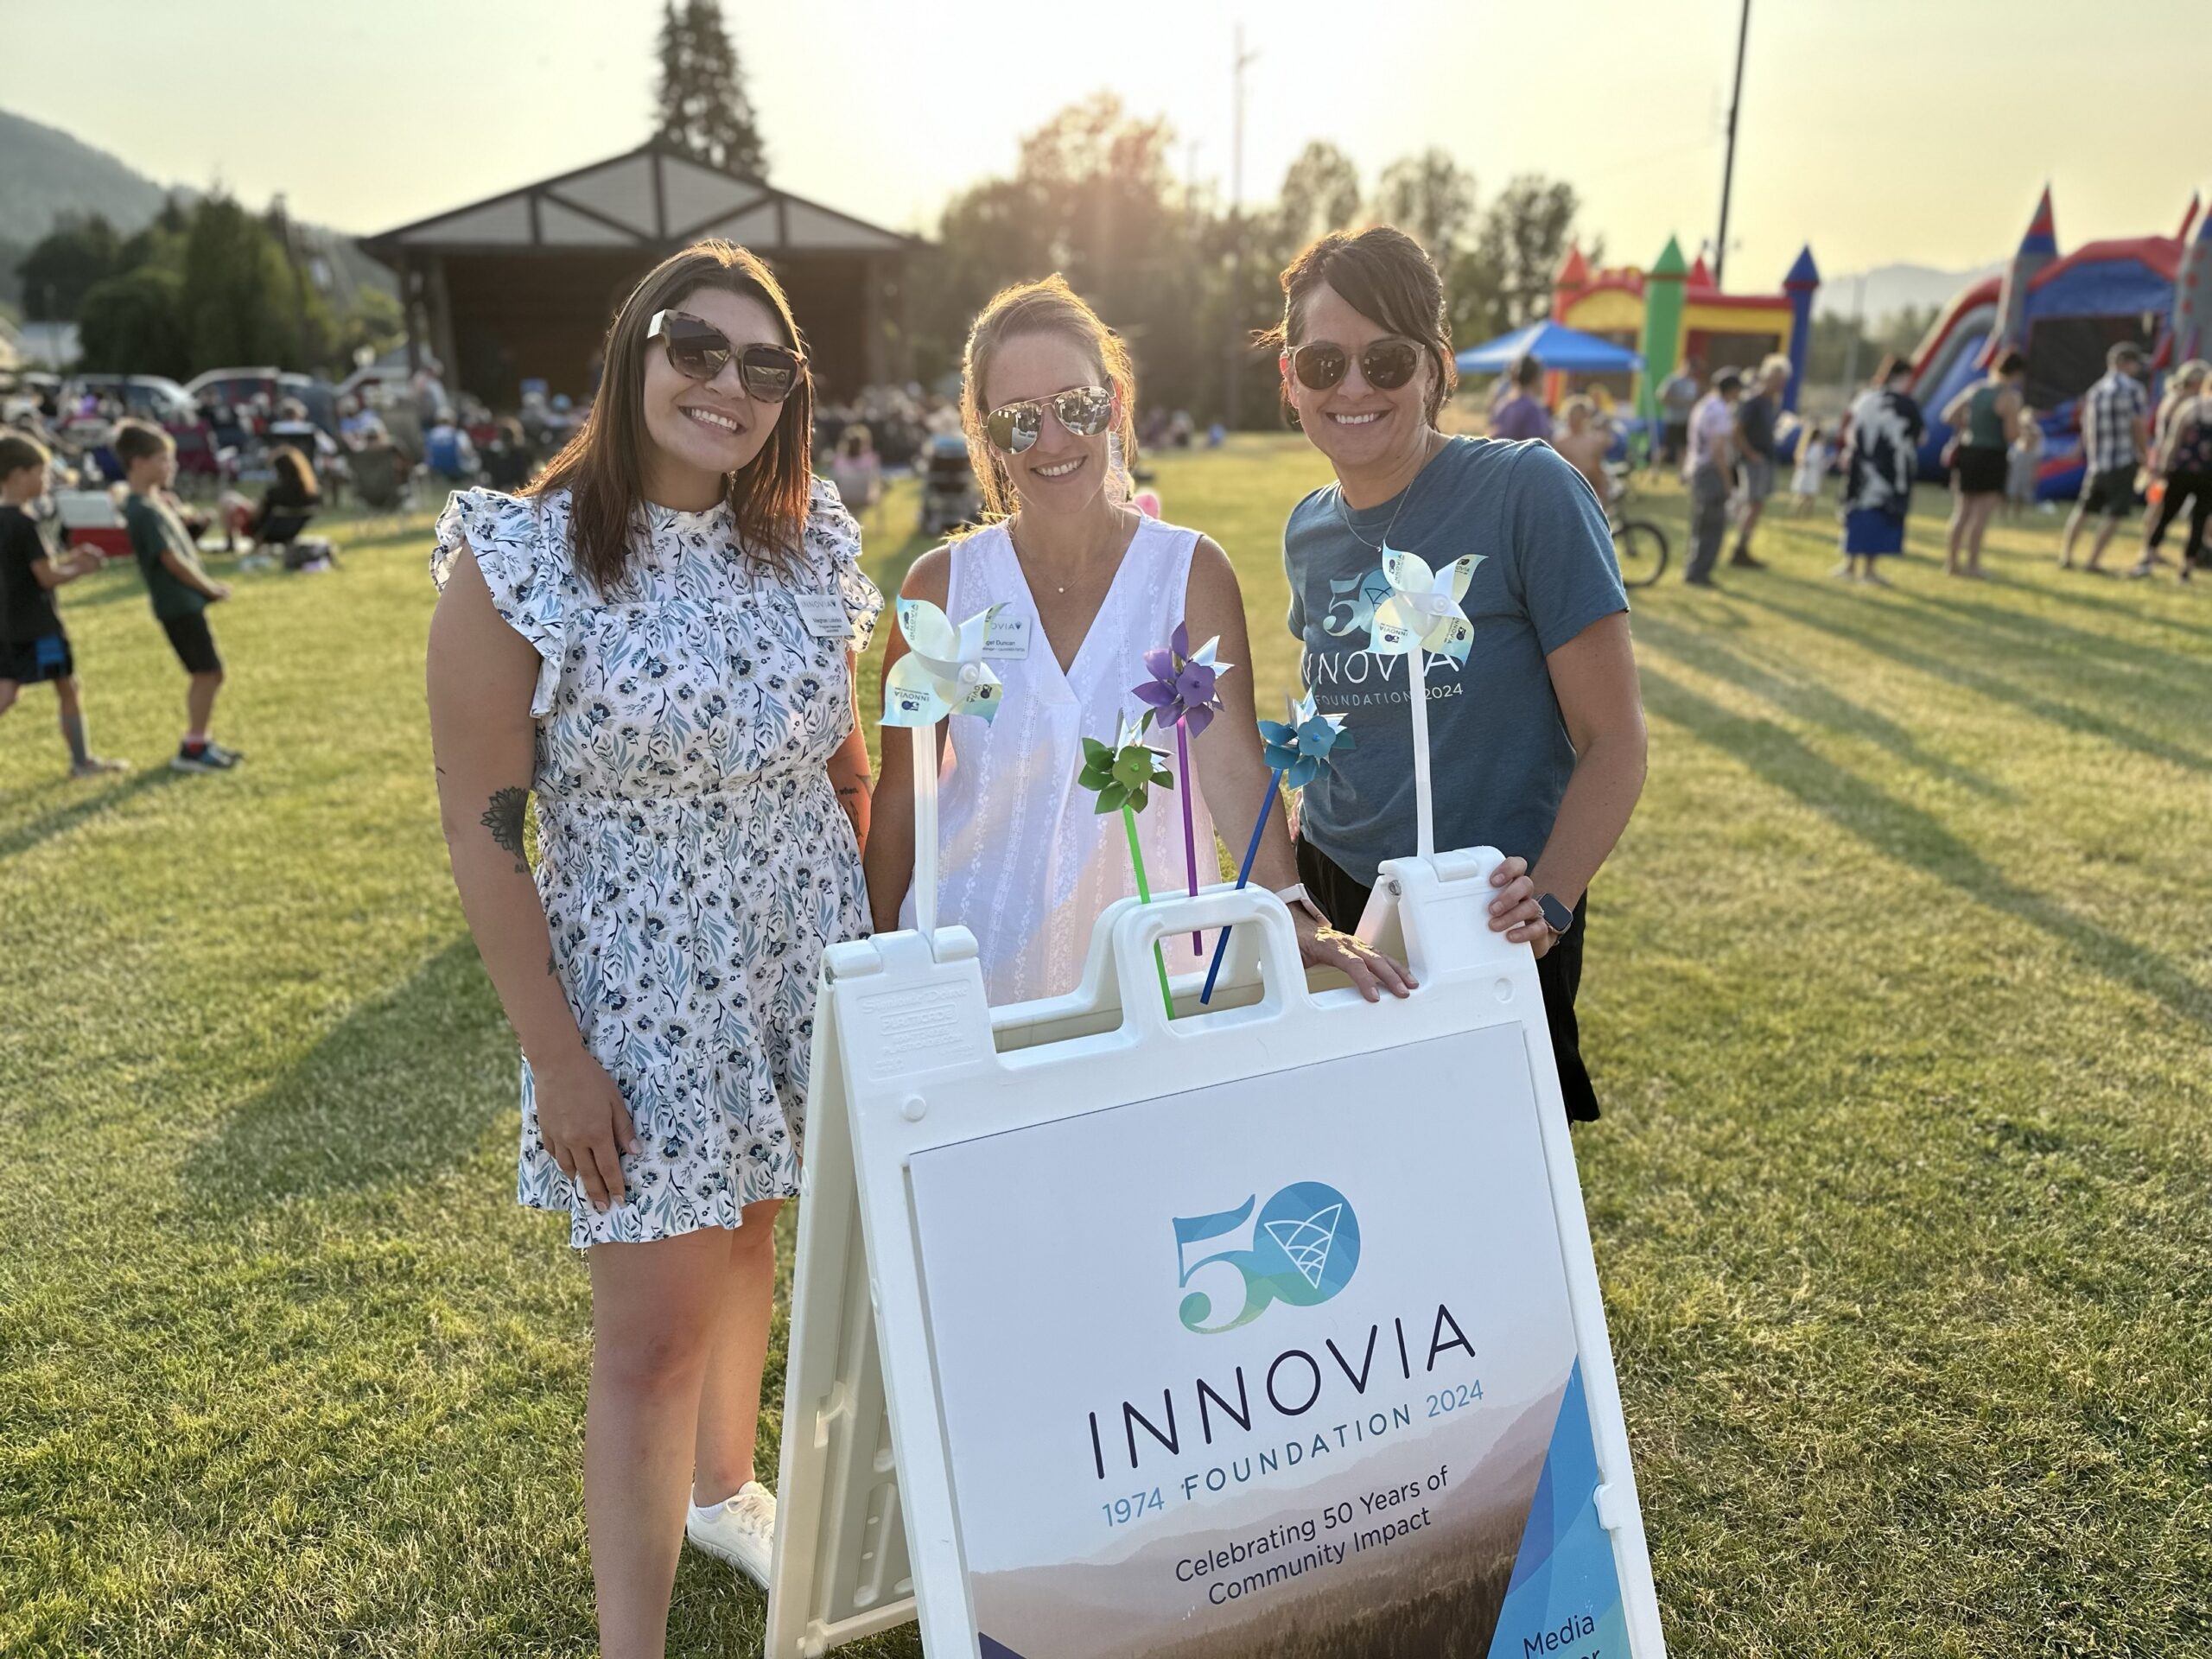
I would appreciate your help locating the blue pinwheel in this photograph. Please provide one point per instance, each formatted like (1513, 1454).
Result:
(1297, 752)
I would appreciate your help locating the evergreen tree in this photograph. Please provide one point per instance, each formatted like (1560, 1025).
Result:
(703, 108)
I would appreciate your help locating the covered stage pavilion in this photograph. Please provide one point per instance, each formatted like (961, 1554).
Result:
(522, 286)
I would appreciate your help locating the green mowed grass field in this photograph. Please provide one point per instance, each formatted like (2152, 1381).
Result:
(1898, 999)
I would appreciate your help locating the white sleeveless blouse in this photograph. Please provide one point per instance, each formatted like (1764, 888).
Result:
(1026, 863)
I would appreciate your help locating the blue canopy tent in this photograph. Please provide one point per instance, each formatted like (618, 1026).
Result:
(1568, 350)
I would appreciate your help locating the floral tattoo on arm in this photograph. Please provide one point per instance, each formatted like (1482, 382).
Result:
(505, 821)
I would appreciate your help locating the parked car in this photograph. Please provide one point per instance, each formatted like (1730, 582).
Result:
(149, 396)
(239, 388)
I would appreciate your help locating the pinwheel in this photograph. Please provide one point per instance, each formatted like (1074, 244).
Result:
(1296, 753)
(1123, 776)
(1181, 693)
(1421, 615)
(942, 673)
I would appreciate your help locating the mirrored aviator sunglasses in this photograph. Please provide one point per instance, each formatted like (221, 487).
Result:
(1386, 364)
(1085, 410)
(698, 350)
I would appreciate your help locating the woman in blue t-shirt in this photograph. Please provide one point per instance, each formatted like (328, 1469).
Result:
(1537, 738)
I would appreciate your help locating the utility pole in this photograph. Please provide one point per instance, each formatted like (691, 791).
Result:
(1728, 168)
(1234, 365)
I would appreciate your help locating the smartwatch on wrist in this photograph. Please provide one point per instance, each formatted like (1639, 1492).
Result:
(1557, 917)
(1298, 898)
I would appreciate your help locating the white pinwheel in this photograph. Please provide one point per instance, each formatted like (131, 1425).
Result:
(1421, 617)
(1423, 608)
(942, 673)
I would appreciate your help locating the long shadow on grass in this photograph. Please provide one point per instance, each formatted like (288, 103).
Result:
(401, 1091)
(63, 819)
(1980, 681)
(1808, 699)
(2065, 642)
(1913, 837)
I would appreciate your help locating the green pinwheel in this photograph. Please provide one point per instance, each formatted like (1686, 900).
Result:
(1123, 774)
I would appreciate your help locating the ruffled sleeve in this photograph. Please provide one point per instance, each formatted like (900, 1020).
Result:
(518, 549)
(833, 546)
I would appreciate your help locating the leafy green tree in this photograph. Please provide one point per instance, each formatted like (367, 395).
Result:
(134, 324)
(701, 107)
(1319, 193)
(1507, 281)
(1431, 199)
(64, 264)
(241, 300)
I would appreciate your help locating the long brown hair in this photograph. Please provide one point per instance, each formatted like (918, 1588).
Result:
(603, 467)
(1386, 276)
(1046, 307)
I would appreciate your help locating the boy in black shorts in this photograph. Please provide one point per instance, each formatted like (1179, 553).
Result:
(180, 589)
(32, 644)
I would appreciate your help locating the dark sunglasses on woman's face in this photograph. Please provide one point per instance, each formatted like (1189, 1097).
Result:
(698, 350)
(1387, 364)
(1085, 410)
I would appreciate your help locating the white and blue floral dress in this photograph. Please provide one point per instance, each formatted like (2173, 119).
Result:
(692, 856)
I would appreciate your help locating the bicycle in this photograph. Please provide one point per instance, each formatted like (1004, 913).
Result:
(1640, 547)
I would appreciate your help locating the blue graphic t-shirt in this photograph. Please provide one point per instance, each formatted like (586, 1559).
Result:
(1500, 756)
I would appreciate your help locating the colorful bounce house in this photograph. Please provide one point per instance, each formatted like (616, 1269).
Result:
(2066, 312)
(1672, 313)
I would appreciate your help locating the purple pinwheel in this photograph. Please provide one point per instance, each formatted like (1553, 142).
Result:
(1181, 689)
(1181, 693)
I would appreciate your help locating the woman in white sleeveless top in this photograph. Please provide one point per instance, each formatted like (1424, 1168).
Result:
(1089, 584)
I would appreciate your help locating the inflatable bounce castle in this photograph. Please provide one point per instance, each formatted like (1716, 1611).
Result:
(1673, 313)
(2066, 312)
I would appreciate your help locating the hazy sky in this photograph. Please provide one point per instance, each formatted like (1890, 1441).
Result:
(1879, 130)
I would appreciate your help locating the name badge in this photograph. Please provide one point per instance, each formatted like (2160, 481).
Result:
(824, 616)
(1007, 639)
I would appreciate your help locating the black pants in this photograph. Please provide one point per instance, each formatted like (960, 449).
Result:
(1559, 970)
(2196, 489)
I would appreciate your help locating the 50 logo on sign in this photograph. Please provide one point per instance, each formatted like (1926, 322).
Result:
(1303, 1250)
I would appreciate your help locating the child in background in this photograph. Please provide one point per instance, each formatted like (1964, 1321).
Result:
(1815, 456)
(2024, 466)
(1584, 441)
(180, 589)
(32, 644)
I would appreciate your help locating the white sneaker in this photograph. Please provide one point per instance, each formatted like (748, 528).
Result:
(740, 1529)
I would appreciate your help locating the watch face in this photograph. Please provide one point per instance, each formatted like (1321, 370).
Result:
(1557, 916)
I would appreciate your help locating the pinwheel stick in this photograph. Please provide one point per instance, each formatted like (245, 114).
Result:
(1144, 897)
(1243, 874)
(925, 832)
(1190, 834)
(1424, 806)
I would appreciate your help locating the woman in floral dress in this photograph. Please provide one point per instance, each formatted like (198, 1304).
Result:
(659, 640)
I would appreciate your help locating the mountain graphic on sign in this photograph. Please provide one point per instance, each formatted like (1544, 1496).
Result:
(1307, 1242)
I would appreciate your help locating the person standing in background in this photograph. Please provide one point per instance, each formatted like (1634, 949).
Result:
(1710, 460)
(1755, 419)
(1878, 466)
(2115, 436)
(856, 469)
(2182, 464)
(1816, 454)
(1523, 415)
(34, 646)
(1678, 396)
(2024, 464)
(1987, 417)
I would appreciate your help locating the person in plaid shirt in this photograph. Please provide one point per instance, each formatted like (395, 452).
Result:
(2115, 433)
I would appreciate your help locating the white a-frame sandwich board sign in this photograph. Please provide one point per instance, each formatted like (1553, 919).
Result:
(1272, 1329)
